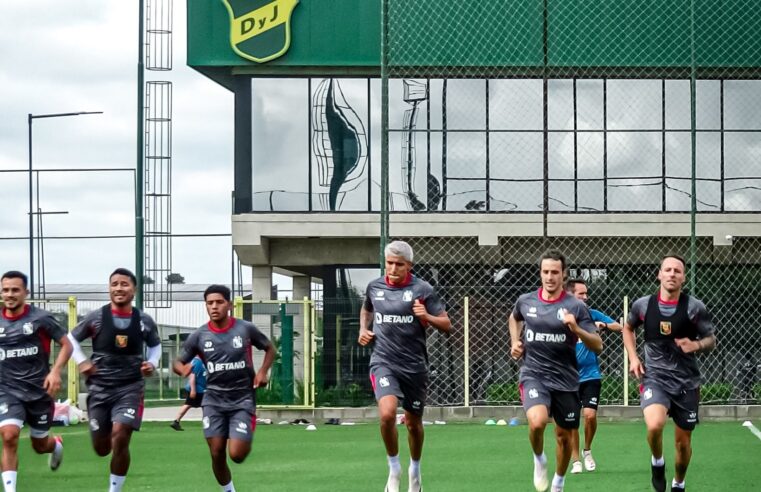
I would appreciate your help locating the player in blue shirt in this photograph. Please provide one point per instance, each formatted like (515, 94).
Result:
(590, 379)
(194, 390)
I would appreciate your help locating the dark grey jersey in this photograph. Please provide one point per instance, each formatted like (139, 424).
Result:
(116, 371)
(25, 351)
(400, 341)
(228, 357)
(549, 346)
(665, 363)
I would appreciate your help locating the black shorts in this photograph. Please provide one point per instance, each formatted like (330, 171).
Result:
(682, 407)
(589, 392)
(563, 406)
(37, 413)
(412, 388)
(106, 407)
(192, 402)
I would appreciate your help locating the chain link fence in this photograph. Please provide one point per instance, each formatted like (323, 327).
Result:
(615, 133)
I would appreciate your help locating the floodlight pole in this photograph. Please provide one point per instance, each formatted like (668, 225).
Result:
(140, 171)
(30, 118)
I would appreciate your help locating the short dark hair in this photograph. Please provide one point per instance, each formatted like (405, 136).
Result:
(553, 254)
(676, 257)
(217, 289)
(571, 284)
(16, 274)
(126, 273)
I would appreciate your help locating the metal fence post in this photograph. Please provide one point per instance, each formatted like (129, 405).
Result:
(466, 342)
(626, 357)
(238, 307)
(73, 371)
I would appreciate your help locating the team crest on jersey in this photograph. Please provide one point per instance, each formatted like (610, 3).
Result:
(407, 296)
(121, 341)
(561, 313)
(237, 342)
(3, 408)
(28, 328)
(666, 328)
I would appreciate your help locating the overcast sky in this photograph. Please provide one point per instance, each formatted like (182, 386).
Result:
(60, 56)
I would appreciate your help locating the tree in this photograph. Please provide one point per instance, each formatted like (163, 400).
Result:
(175, 278)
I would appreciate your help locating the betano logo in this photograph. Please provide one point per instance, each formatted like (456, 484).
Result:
(260, 30)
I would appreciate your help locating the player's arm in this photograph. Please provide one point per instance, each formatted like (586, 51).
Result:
(588, 333)
(192, 384)
(365, 321)
(515, 327)
(52, 381)
(84, 330)
(181, 365)
(261, 378)
(707, 340)
(630, 341)
(605, 322)
(439, 321)
(153, 341)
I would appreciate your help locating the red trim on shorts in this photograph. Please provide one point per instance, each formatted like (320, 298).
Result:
(230, 323)
(372, 380)
(404, 282)
(641, 388)
(668, 303)
(253, 423)
(520, 391)
(141, 406)
(562, 295)
(26, 310)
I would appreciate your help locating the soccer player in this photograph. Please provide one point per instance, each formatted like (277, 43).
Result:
(116, 371)
(194, 388)
(677, 326)
(229, 404)
(397, 310)
(590, 379)
(544, 327)
(27, 385)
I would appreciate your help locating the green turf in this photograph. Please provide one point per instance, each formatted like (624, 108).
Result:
(465, 457)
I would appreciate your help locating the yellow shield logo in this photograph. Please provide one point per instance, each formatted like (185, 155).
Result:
(121, 341)
(666, 328)
(260, 30)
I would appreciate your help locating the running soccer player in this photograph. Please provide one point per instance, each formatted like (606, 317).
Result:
(677, 326)
(194, 390)
(544, 327)
(397, 310)
(590, 380)
(27, 385)
(116, 371)
(229, 404)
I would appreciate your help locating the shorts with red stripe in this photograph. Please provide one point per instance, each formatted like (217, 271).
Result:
(105, 407)
(229, 423)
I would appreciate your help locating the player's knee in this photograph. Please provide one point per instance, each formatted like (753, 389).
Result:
(10, 435)
(238, 456)
(415, 427)
(102, 449)
(387, 418)
(590, 414)
(563, 436)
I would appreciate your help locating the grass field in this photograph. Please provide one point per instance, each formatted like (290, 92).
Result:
(457, 457)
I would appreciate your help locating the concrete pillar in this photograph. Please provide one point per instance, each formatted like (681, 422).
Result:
(301, 288)
(262, 291)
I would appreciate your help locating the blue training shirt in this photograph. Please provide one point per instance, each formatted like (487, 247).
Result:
(199, 370)
(589, 369)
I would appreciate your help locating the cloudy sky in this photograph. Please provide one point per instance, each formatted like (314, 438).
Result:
(82, 56)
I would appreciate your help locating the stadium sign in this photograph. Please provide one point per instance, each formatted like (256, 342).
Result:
(260, 30)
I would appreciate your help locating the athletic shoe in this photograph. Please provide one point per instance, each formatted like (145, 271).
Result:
(392, 485)
(555, 488)
(176, 425)
(576, 467)
(677, 489)
(56, 457)
(540, 477)
(415, 485)
(589, 462)
(658, 478)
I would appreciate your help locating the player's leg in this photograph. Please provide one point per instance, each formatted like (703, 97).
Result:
(216, 430)
(576, 466)
(684, 410)
(536, 403)
(655, 406)
(387, 392)
(10, 429)
(565, 407)
(590, 398)
(126, 417)
(415, 390)
(242, 425)
(99, 417)
(39, 414)
(176, 423)
(218, 451)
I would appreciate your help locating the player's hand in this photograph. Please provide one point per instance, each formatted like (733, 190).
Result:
(52, 383)
(87, 368)
(366, 337)
(601, 325)
(192, 394)
(147, 368)
(419, 310)
(688, 346)
(636, 368)
(570, 320)
(261, 379)
(516, 351)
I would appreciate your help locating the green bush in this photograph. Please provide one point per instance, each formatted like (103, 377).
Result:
(715, 392)
(502, 393)
(611, 390)
(351, 395)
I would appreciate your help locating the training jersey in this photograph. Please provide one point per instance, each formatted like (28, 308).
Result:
(25, 351)
(665, 364)
(229, 361)
(589, 368)
(400, 341)
(118, 340)
(198, 369)
(549, 353)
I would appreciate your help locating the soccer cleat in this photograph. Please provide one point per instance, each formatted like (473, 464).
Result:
(56, 457)
(540, 476)
(176, 426)
(555, 488)
(677, 489)
(576, 467)
(658, 478)
(415, 485)
(589, 462)
(392, 484)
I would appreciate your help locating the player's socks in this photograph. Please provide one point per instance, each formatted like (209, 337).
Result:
(677, 485)
(558, 483)
(116, 482)
(228, 488)
(394, 474)
(9, 481)
(414, 476)
(657, 461)
(394, 466)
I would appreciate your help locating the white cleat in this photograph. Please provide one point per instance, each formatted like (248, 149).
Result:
(576, 467)
(56, 457)
(540, 477)
(589, 462)
(415, 485)
(392, 484)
